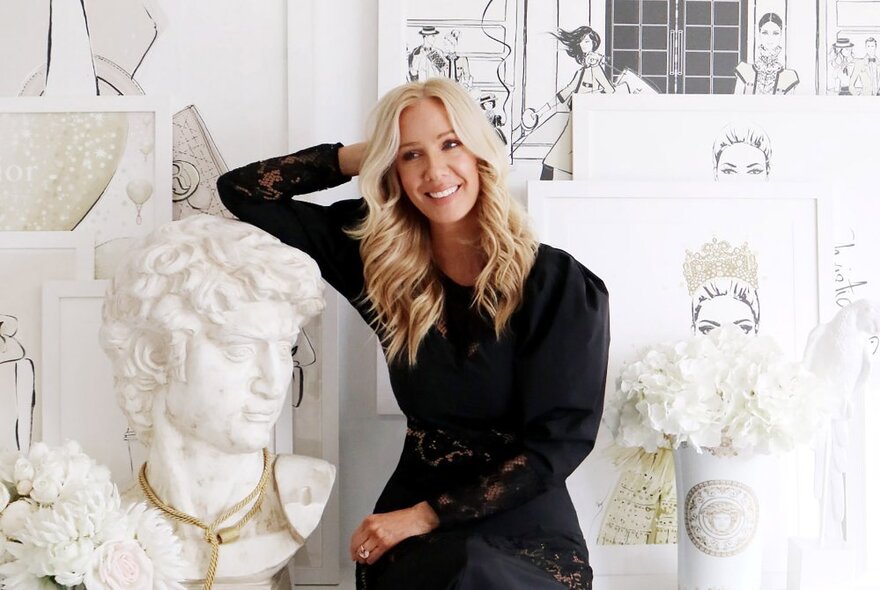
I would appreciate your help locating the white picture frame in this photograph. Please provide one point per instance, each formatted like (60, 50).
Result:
(811, 139)
(632, 235)
(79, 402)
(28, 259)
(113, 174)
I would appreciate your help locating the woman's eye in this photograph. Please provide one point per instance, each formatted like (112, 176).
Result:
(451, 143)
(408, 156)
(756, 171)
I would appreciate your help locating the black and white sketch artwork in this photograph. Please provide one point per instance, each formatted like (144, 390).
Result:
(767, 73)
(17, 391)
(741, 151)
(196, 165)
(847, 59)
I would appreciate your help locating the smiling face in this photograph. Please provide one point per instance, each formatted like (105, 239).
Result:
(741, 160)
(237, 377)
(437, 172)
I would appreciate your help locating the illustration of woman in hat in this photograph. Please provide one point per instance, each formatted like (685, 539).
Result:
(840, 67)
(426, 60)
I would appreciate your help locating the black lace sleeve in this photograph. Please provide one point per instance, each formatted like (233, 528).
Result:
(261, 194)
(560, 371)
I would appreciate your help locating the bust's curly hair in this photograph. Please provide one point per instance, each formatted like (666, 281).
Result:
(175, 280)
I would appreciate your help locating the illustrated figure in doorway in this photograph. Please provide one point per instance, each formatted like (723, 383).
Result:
(722, 281)
(582, 44)
(17, 394)
(741, 151)
(768, 75)
(840, 67)
(426, 60)
(865, 79)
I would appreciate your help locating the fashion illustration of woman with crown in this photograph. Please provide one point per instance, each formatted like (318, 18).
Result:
(722, 281)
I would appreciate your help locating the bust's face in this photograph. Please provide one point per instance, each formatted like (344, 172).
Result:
(237, 378)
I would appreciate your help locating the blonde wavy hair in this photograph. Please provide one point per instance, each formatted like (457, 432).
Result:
(402, 284)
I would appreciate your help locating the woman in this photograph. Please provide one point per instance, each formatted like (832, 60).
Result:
(768, 75)
(582, 44)
(497, 346)
(741, 151)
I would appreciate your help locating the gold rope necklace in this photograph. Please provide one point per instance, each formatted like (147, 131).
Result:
(213, 536)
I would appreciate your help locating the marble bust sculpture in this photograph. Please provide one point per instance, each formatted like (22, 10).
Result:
(199, 322)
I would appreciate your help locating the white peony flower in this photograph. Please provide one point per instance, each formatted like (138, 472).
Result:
(120, 565)
(725, 385)
(14, 517)
(23, 470)
(5, 496)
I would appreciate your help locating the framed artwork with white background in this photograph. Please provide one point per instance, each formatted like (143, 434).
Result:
(753, 138)
(645, 241)
(99, 164)
(28, 260)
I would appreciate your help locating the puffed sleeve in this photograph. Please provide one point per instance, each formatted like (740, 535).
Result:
(262, 194)
(559, 375)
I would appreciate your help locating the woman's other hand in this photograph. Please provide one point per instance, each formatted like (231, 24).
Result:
(380, 532)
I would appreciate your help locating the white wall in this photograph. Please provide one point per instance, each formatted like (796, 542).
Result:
(340, 63)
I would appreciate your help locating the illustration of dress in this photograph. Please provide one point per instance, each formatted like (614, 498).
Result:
(765, 76)
(590, 78)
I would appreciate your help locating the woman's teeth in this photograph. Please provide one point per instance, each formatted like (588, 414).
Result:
(444, 193)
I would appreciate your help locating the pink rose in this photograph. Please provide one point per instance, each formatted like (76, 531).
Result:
(120, 565)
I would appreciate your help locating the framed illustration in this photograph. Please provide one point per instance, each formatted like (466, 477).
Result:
(799, 139)
(98, 164)
(645, 241)
(28, 260)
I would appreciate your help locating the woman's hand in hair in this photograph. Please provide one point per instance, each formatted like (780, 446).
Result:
(351, 157)
(380, 532)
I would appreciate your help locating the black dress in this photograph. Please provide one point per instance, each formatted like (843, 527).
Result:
(494, 426)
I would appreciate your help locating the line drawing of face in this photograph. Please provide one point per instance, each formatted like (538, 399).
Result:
(770, 38)
(437, 172)
(871, 48)
(236, 378)
(725, 300)
(741, 160)
(741, 151)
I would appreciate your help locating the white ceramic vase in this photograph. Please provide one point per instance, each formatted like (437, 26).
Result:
(719, 520)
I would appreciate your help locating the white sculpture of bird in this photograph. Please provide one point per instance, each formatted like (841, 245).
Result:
(839, 352)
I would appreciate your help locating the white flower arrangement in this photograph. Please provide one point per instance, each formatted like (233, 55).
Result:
(62, 524)
(724, 389)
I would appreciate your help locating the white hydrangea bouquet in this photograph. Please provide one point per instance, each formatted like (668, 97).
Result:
(63, 524)
(725, 389)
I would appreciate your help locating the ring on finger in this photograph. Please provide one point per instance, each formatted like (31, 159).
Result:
(363, 552)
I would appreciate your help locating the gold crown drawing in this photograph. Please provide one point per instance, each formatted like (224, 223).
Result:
(719, 259)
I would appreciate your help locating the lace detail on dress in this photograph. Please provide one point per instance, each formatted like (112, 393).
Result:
(306, 171)
(567, 566)
(492, 459)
